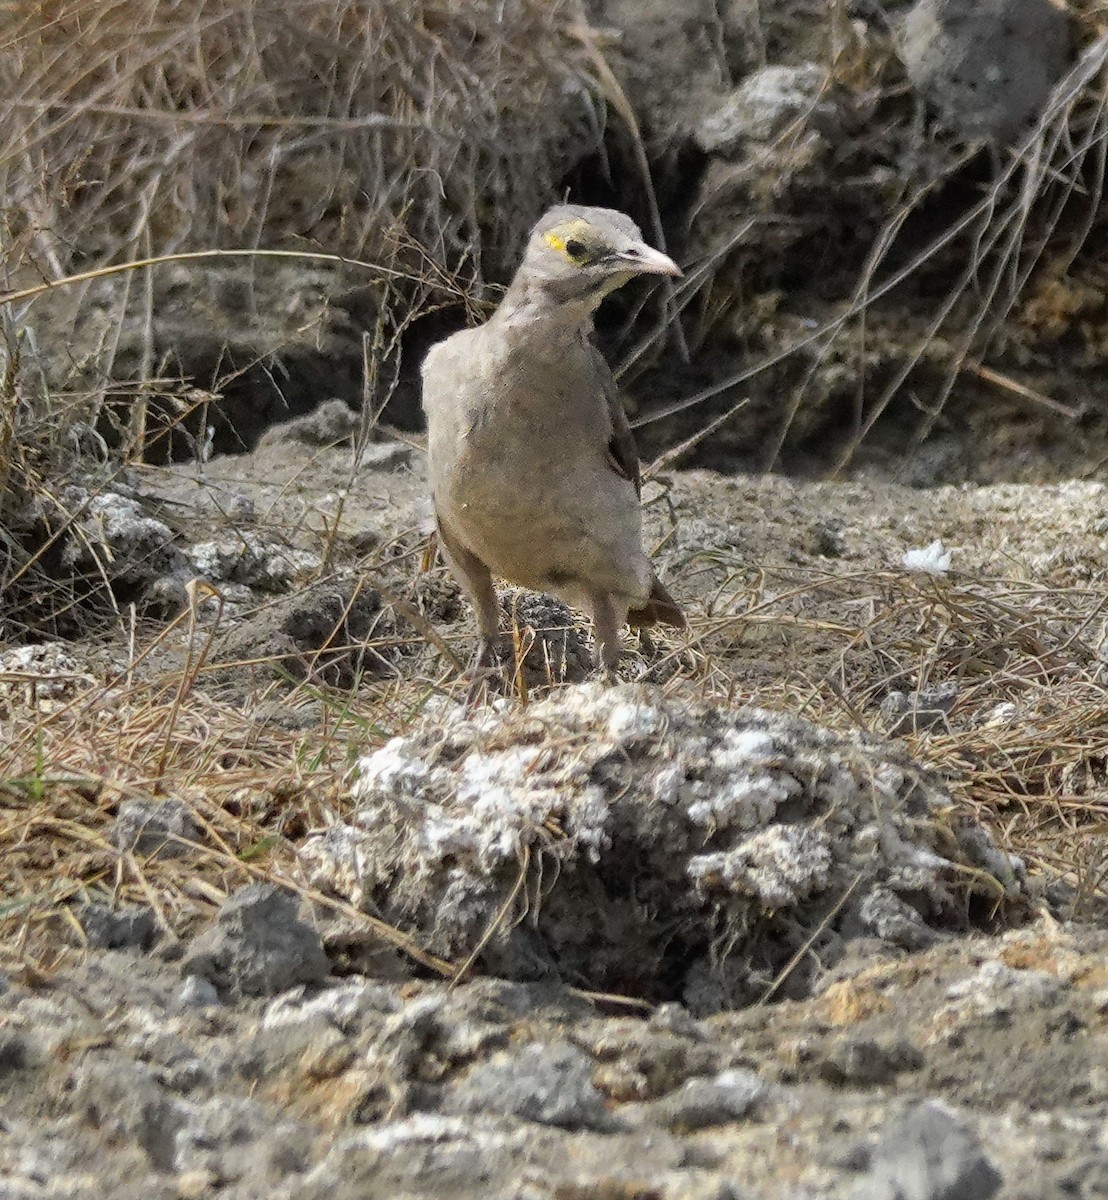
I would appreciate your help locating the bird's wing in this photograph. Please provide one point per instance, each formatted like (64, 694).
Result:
(622, 454)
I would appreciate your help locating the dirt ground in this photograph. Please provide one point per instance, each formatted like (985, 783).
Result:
(119, 1077)
(811, 904)
(378, 1080)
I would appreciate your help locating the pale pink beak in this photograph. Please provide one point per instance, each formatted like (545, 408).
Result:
(647, 261)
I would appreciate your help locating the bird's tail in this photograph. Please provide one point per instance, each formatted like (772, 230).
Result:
(660, 609)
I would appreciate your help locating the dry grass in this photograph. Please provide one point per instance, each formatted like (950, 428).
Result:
(1030, 224)
(1024, 750)
(78, 744)
(411, 141)
(138, 126)
(140, 129)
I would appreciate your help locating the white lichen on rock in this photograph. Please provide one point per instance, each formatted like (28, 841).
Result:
(119, 538)
(615, 833)
(779, 866)
(764, 105)
(249, 560)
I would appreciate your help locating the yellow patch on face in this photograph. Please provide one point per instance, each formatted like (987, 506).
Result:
(560, 238)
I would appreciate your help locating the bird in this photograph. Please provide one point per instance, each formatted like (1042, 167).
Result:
(534, 474)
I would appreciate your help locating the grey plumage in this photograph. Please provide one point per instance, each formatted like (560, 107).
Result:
(533, 469)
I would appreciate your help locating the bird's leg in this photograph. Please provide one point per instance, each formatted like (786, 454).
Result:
(488, 654)
(607, 617)
(476, 581)
(483, 597)
(485, 671)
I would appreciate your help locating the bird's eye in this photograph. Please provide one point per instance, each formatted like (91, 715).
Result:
(576, 250)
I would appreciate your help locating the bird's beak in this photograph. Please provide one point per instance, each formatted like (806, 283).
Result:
(648, 261)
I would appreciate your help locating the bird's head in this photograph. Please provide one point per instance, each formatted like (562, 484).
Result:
(577, 255)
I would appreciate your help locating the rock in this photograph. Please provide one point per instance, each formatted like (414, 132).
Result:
(107, 928)
(386, 456)
(555, 644)
(701, 1103)
(920, 711)
(1007, 869)
(196, 992)
(126, 1101)
(1087, 1179)
(763, 106)
(320, 632)
(232, 1139)
(866, 1062)
(826, 537)
(552, 1000)
(333, 421)
(697, 1185)
(258, 946)
(674, 816)
(362, 1091)
(42, 675)
(450, 1154)
(246, 558)
(347, 1006)
(155, 829)
(929, 1153)
(237, 507)
(550, 1084)
(780, 866)
(895, 920)
(676, 1018)
(669, 57)
(120, 539)
(987, 66)
(997, 990)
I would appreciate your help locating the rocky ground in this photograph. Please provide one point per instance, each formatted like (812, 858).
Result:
(711, 950)
(973, 1069)
(809, 905)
